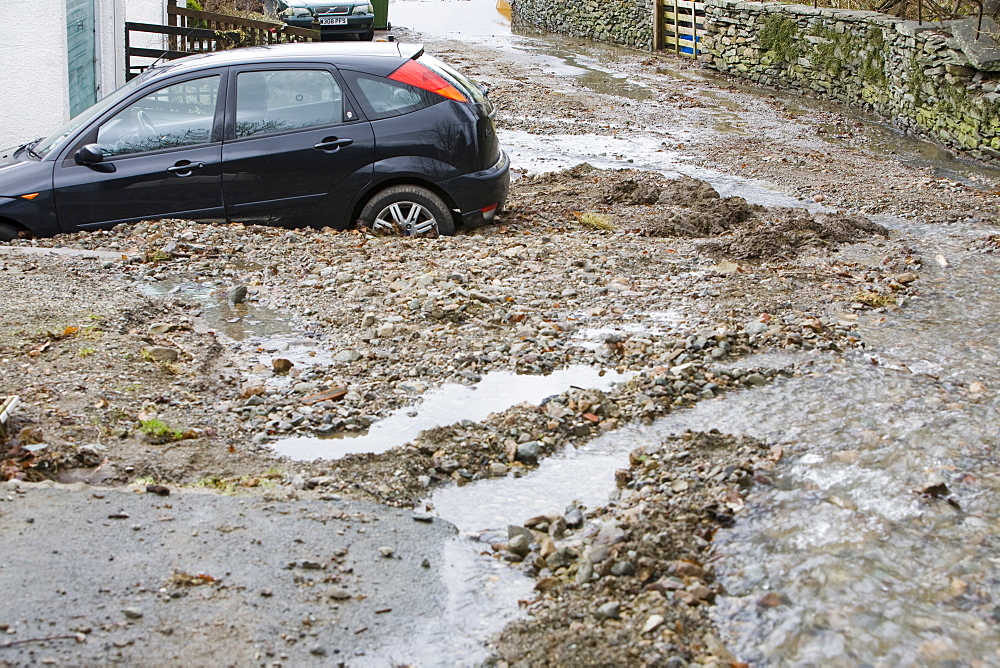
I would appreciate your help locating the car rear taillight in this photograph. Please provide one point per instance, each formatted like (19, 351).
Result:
(414, 74)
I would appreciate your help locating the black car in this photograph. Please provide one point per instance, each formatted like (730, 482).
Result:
(324, 134)
(332, 19)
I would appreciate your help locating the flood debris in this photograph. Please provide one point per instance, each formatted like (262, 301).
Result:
(652, 204)
(640, 567)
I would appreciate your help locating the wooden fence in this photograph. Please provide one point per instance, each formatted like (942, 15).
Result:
(192, 31)
(678, 26)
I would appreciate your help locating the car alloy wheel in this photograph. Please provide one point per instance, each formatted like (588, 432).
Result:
(408, 211)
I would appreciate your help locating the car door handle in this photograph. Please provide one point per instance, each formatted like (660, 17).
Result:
(184, 168)
(332, 144)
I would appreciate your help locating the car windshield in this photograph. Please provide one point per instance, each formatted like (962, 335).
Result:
(59, 136)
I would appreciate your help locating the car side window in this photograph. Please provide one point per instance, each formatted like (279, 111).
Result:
(181, 114)
(384, 98)
(280, 100)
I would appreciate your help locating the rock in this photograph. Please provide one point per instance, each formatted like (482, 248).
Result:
(755, 380)
(159, 490)
(514, 530)
(238, 295)
(519, 545)
(318, 651)
(599, 553)
(281, 365)
(527, 453)
(562, 557)
(546, 546)
(609, 535)
(338, 594)
(160, 328)
(497, 470)
(700, 591)
(610, 610)
(161, 353)
(653, 622)
(573, 518)
(386, 551)
(347, 356)
(623, 568)
(132, 613)
(686, 569)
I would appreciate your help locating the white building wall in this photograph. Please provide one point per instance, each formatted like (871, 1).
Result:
(33, 70)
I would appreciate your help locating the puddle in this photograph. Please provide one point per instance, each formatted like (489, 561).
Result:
(583, 475)
(446, 405)
(236, 321)
(653, 323)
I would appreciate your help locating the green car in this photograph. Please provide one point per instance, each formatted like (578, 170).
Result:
(332, 19)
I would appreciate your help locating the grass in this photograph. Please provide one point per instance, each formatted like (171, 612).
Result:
(217, 483)
(159, 431)
(596, 221)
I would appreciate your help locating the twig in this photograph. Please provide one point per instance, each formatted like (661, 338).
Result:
(11, 643)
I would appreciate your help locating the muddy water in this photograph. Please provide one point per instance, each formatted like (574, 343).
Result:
(496, 392)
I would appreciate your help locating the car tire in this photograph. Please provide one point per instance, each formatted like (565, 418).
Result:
(408, 211)
(9, 232)
(367, 36)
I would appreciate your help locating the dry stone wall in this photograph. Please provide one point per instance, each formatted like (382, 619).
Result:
(625, 22)
(935, 79)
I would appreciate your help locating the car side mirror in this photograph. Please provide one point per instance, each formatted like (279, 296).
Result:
(90, 154)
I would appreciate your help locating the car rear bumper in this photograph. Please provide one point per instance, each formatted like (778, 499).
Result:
(481, 195)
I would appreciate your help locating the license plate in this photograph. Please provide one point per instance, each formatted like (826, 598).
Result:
(333, 20)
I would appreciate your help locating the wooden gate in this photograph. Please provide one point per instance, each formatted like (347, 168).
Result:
(680, 25)
(81, 45)
(193, 31)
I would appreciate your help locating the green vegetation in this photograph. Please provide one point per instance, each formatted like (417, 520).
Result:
(159, 432)
(216, 482)
(780, 37)
(193, 22)
(87, 352)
